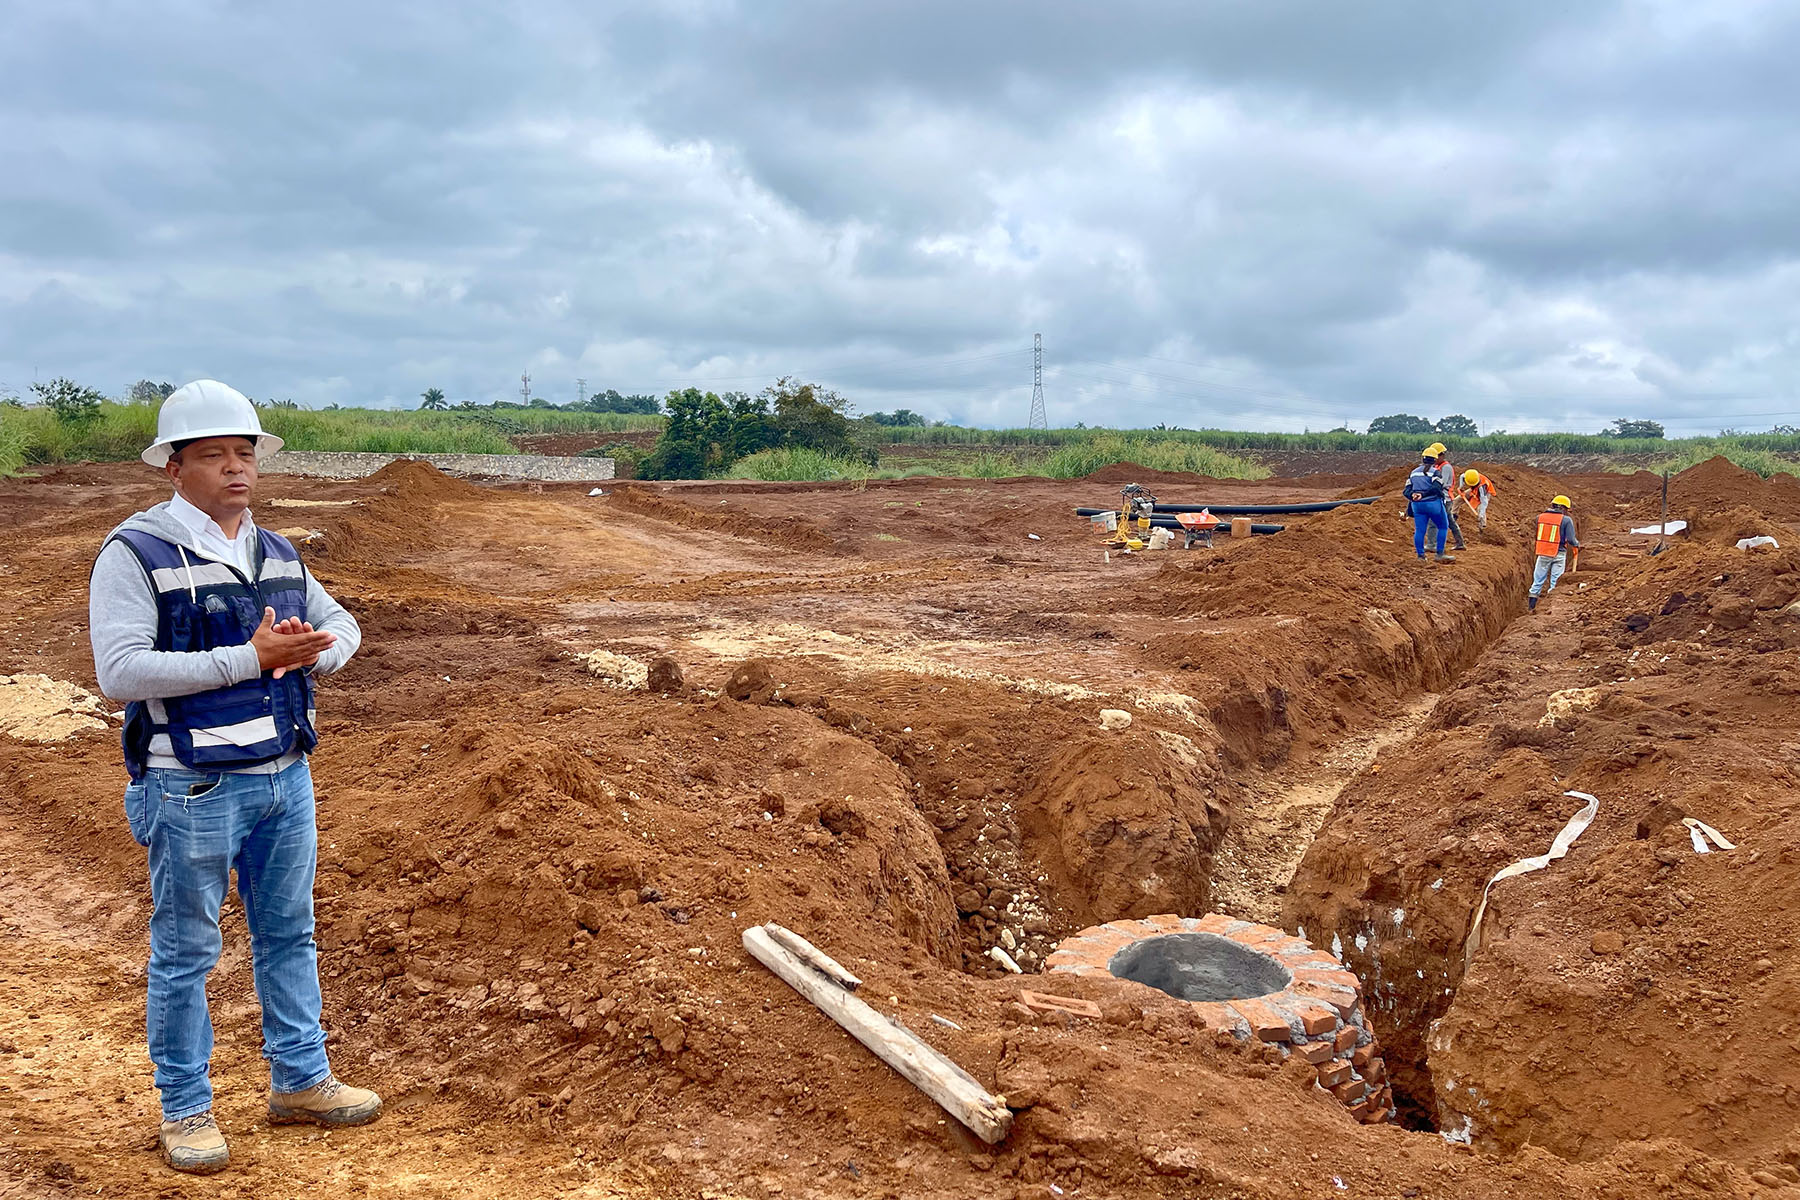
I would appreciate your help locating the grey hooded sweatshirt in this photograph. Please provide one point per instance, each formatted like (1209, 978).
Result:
(122, 625)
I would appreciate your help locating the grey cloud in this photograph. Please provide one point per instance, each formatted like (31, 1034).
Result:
(1534, 213)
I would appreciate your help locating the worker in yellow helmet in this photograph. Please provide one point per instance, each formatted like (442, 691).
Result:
(1440, 464)
(1477, 490)
(1556, 546)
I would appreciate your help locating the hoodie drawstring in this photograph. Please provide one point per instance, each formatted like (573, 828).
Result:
(193, 595)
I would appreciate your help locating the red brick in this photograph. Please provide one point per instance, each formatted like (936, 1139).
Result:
(1343, 979)
(1362, 1055)
(1265, 1022)
(1350, 1092)
(1342, 999)
(1369, 1112)
(1346, 1038)
(1316, 1018)
(1216, 1016)
(1215, 922)
(1257, 935)
(1375, 1072)
(1314, 1052)
(1333, 1073)
(1384, 1099)
(1167, 922)
(1313, 958)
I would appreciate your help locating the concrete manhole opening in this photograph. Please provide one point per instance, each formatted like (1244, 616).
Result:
(1252, 981)
(1200, 966)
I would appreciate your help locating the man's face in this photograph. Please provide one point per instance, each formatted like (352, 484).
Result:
(216, 475)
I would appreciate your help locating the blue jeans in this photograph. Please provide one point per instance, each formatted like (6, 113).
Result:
(1424, 513)
(1548, 570)
(198, 826)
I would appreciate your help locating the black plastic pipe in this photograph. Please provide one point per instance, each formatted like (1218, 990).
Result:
(1257, 510)
(1158, 521)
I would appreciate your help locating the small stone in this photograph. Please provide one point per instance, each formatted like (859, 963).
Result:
(1608, 941)
(628, 898)
(665, 676)
(1540, 930)
(1114, 719)
(506, 825)
(1764, 965)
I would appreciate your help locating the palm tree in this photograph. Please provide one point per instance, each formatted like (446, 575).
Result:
(434, 399)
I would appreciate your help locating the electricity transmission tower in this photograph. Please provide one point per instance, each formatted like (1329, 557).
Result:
(580, 392)
(525, 388)
(1038, 419)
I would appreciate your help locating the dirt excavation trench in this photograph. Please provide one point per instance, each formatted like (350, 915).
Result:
(589, 740)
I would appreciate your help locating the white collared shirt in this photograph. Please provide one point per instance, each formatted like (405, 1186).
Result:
(211, 538)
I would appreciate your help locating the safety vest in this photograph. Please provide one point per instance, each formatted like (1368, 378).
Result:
(1425, 484)
(1549, 533)
(203, 604)
(1481, 481)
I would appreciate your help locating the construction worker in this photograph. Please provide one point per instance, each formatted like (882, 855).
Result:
(212, 631)
(1556, 540)
(1425, 496)
(1477, 490)
(1447, 474)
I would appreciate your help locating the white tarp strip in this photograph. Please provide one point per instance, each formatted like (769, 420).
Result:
(1558, 847)
(1671, 527)
(1700, 831)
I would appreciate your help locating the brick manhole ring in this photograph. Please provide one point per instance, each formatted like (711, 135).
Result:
(1253, 981)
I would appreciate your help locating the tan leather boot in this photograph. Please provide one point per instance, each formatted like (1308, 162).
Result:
(327, 1103)
(195, 1145)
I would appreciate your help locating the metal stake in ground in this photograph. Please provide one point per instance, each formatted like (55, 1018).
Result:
(926, 1069)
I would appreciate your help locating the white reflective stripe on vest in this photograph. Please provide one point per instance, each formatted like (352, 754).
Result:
(201, 574)
(276, 568)
(244, 733)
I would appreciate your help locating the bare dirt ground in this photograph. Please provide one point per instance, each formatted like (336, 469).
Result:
(535, 869)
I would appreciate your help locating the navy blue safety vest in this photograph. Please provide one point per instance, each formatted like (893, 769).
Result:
(203, 604)
(1425, 482)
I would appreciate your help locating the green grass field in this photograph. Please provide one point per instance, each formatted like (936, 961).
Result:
(32, 436)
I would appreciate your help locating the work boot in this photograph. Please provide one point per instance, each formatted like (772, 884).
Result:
(327, 1103)
(1447, 557)
(1531, 604)
(195, 1145)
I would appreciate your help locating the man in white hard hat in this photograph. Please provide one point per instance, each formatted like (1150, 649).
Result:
(213, 630)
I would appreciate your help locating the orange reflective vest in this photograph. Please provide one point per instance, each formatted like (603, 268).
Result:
(1549, 533)
(1473, 494)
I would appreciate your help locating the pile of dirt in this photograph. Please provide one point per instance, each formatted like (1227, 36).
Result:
(37, 708)
(1718, 485)
(794, 532)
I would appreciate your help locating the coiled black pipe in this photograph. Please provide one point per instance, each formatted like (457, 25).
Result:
(1258, 510)
(1158, 521)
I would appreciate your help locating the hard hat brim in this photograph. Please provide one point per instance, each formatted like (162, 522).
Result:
(157, 455)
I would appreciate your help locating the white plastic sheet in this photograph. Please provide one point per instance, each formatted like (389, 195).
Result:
(1559, 846)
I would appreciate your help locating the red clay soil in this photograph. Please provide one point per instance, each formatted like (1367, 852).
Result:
(533, 881)
(1636, 989)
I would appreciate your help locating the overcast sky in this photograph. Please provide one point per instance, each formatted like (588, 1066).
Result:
(1238, 213)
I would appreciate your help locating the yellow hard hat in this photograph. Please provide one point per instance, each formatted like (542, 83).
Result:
(1563, 501)
(1471, 476)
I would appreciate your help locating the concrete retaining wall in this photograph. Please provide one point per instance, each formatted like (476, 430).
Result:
(332, 465)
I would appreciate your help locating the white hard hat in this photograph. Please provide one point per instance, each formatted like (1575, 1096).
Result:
(202, 409)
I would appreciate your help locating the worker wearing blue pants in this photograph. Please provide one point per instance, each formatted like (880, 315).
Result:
(1425, 496)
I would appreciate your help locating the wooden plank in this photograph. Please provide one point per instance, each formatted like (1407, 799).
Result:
(922, 1066)
(808, 953)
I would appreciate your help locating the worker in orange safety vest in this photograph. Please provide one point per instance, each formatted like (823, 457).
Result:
(1557, 546)
(1476, 491)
